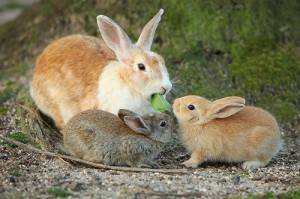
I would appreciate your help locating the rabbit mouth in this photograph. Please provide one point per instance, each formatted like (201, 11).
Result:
(194, 119)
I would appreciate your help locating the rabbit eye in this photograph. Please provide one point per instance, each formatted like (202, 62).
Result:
(141, 66)
(163, 123)
(191, 107)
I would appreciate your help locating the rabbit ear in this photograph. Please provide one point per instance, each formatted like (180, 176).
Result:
(114, 36)
(137, 124)
(124, 112)
(226, 107)
(146, 38)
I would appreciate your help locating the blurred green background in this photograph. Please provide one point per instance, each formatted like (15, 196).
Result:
(212, 48)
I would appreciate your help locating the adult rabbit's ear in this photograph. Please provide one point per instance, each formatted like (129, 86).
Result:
(137, 124)
(124, 112)
(225, 107)
(114, 37)
(146, 38)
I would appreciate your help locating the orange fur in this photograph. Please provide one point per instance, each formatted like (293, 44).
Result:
(77, 73)
(251, 134)
(65, 65)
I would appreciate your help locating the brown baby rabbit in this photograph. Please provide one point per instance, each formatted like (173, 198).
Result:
(124, 140)
(226, 130)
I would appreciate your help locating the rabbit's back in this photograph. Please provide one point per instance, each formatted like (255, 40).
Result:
(248, 118)
(66, 75)
(92, 135)
(100, 136)
(250, 133)
(123, 148)
(79, 52)
(99, 122)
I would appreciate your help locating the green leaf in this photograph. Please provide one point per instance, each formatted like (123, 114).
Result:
(159, 103)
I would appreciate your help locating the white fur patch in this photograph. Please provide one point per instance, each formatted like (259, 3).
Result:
(113, 94)
(165, 78)
(248, 165)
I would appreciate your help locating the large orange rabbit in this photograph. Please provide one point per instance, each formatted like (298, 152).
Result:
(78, 72)
(226, 130)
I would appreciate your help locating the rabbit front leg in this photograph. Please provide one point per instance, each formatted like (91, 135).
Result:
(150, 164)
(143, 162)
(196, 159)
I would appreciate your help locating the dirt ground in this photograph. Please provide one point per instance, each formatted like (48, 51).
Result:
(25, 174)
(28, 175)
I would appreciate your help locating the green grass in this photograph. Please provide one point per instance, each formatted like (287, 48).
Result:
(3, 110)
(213, 48)
(15, 173)
(270, 195)
(16, 70)
(20, 137)
(290, 195)
(11, 6)
(58, 192)
(9, 91)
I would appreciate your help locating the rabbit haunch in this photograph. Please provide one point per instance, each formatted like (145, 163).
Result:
(77, 73)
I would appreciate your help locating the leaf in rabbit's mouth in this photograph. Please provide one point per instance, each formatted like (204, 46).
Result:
(159, 103)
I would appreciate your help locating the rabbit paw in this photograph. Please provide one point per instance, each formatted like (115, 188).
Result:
(249, 165)
(144, 166)
(151, 165)
(191, 164)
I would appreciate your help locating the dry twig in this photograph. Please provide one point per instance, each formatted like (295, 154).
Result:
(92, 164)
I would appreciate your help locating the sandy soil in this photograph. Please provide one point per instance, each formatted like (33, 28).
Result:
(26, 174)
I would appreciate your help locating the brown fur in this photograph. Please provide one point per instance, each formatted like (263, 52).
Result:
(100, 136)
(250, 134)
(64, 61)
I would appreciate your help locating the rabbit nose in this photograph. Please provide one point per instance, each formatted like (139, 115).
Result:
(163, 91)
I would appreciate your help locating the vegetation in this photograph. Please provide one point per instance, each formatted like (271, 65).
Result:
(58, 192)
(19, 136)
(270, 195)
(212, 48)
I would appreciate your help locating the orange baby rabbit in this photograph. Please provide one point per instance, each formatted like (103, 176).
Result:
(226, 130)
(78, 72)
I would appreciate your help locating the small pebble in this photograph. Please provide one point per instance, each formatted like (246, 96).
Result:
(236, 180)
(12, 179)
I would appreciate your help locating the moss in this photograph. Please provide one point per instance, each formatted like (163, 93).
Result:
(212, 48)
(13, 71)
(11, 5)
(23, 97)
(15, 173)
(290, 195)
(58, 192)
(3, 110)
(269, 79)
(295, 194)
(19, 136)
(9, 91)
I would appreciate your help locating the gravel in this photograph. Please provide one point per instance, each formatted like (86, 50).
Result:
(26, 174)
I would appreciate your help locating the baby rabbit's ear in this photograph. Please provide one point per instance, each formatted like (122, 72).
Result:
(225, 107)
(146, 38)
(124, 112)
(137, 124)
(114, 36)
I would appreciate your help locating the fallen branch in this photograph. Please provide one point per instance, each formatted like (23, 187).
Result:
(92, 164)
